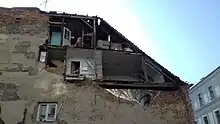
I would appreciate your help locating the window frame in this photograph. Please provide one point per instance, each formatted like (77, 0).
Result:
(66, 33)
(79, 69)
(46, 112)
(200, 104)
(211, 98)
(215, 118)
(206, 115)
(42, 56)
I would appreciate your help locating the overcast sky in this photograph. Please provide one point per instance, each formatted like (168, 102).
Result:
(182, 35)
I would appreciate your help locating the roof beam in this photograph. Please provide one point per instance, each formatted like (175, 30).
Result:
(149, 86)
(86, 23)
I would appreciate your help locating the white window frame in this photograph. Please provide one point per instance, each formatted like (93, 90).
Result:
(68, 32)
(216, 121)
(42, 57)
(47, 112)
(206, 115)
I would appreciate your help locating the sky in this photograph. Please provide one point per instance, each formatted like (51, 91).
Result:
(181, 35)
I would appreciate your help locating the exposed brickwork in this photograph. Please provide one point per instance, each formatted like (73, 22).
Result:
(22, 21)
(173, 102)
(22, 30)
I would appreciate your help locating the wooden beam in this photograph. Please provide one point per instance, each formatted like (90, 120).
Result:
(71, 16)
(86, 23)
(149, 86)
(94, 34)
(143, 66)
(56, 23)
(62, 31)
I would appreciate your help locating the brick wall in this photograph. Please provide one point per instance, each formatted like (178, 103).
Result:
(21, 33)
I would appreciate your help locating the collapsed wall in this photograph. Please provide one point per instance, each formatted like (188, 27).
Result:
(24, 84)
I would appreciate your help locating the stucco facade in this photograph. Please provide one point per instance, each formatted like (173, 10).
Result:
(209, 90)
(24, 84)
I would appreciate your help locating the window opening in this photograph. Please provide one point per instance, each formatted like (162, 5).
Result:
(211, 93)
(205, 120)
(200, 99)
(217, 116)
(75, 67)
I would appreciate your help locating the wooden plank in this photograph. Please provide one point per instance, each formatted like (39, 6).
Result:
(86, 23)
(144, 68)
(149, 86)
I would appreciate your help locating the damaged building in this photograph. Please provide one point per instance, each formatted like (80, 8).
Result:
(65, 68)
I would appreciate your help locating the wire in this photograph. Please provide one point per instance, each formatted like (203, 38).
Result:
(45, 4)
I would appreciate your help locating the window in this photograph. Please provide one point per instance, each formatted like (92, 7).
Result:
(217, 116)
(200, 99)
(67, 33)
(211, 93)
(75, 67)
(205, 119)
(47, 112)
(66, 36)
(43, 56)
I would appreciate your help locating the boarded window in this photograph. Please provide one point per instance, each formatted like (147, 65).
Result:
(46, 112)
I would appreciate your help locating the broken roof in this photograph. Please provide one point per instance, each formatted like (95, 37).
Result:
(162, 70)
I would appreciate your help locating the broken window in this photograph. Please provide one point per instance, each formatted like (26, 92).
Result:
(47, 112)
(75, 67)
(43, 56)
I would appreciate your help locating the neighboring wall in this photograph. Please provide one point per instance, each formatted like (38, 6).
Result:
(21, 90)
(213, 80)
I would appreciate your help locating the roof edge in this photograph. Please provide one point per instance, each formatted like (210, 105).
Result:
(204, 78)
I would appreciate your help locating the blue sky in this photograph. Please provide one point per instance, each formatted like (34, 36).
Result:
(186, 34)
(182, 35)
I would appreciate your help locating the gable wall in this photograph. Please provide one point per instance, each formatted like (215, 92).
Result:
(23, 83)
